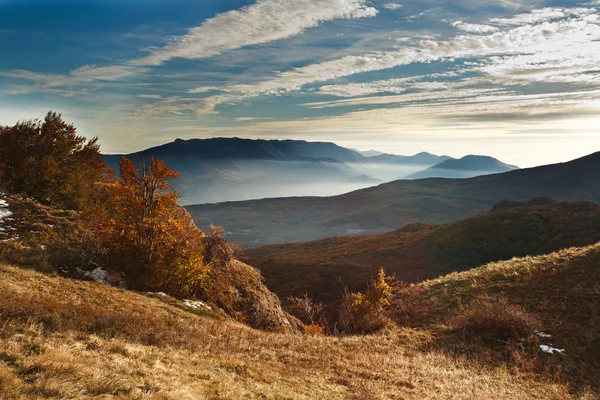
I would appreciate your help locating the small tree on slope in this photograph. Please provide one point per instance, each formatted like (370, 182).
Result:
(145, 234)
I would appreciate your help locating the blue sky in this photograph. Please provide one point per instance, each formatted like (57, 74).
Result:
(516, 79)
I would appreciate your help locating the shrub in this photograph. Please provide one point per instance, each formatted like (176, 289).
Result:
(498, 319)
(314, 329)
(305, 308)
(364, 312)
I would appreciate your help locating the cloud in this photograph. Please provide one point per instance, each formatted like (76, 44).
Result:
(262, 22)
(392, 6)
(542, 15)
(250, 119)
(474, 28)
(149, 96)
(577, 31)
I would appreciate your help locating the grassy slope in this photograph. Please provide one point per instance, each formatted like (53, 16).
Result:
(61, 338)
(392, 205)
(419, 252)
(562, 288)
(52, 240)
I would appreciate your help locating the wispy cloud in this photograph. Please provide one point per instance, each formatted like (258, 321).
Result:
(571, 36)
(263, 22)
(149, 96)
(474, 28)
(392, 6)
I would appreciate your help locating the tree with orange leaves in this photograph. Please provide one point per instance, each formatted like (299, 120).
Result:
(146, 235)
(48, 161)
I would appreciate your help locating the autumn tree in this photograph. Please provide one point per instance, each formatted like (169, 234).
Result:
(48, 161)
(145, 234)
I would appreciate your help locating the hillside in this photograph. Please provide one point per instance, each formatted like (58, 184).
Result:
(420, 251)
(561, 289)
(466, 167)
(62, 338)
(222, 169)
(56, 241)
(392, 205)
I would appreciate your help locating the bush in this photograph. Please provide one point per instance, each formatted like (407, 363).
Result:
(305, 308)
(364, 312)
(498, 319)
(314, 330)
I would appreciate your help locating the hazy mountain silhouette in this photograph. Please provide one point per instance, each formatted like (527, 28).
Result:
(423, 158)
(466, 167)
(392, 205)
(367, 153)
(222, 169)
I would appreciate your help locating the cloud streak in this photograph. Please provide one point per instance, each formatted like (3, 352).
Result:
(263, 22)
(564, 36)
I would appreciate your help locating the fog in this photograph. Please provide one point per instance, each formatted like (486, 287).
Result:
(219, 180)
(256, 179)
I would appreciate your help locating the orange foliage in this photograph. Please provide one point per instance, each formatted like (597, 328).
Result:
(145, 234)
(314, 329)
(50, 162)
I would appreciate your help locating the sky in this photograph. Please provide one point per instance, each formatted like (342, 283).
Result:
(515, 79)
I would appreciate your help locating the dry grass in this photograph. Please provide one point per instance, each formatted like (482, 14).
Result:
(61, 338)
(558, 293)
(495, 319)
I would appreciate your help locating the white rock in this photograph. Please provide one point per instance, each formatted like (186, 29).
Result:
(551, 350)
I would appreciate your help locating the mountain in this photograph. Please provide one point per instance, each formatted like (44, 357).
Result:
(466, 167)
(222, 169)
(390, 206)
(422, 158)
(367, 153)
(424, 251)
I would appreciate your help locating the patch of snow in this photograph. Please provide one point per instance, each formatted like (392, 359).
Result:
(4, 210)
(196, 304)
(543, 335)
(551, 350)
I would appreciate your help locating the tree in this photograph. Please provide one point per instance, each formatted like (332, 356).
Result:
(145, 234)
(48, 161)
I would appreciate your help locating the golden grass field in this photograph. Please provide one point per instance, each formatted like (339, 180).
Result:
(67, 339)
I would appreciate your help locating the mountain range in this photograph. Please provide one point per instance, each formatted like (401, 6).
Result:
(221, 169)
(466, 167)
(234, 169)
(389, 206)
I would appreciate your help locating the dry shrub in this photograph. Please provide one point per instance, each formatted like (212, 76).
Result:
(498, 319)
(314, 329)
(412, 307)
(366, 312)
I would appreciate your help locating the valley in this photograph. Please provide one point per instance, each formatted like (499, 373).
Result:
(388, 207)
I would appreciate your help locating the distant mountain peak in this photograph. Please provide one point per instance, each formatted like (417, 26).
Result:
(466, 167)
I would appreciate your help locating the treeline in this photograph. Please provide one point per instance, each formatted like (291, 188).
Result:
(133, 225)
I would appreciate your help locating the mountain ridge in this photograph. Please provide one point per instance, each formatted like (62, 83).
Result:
(389, 206)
